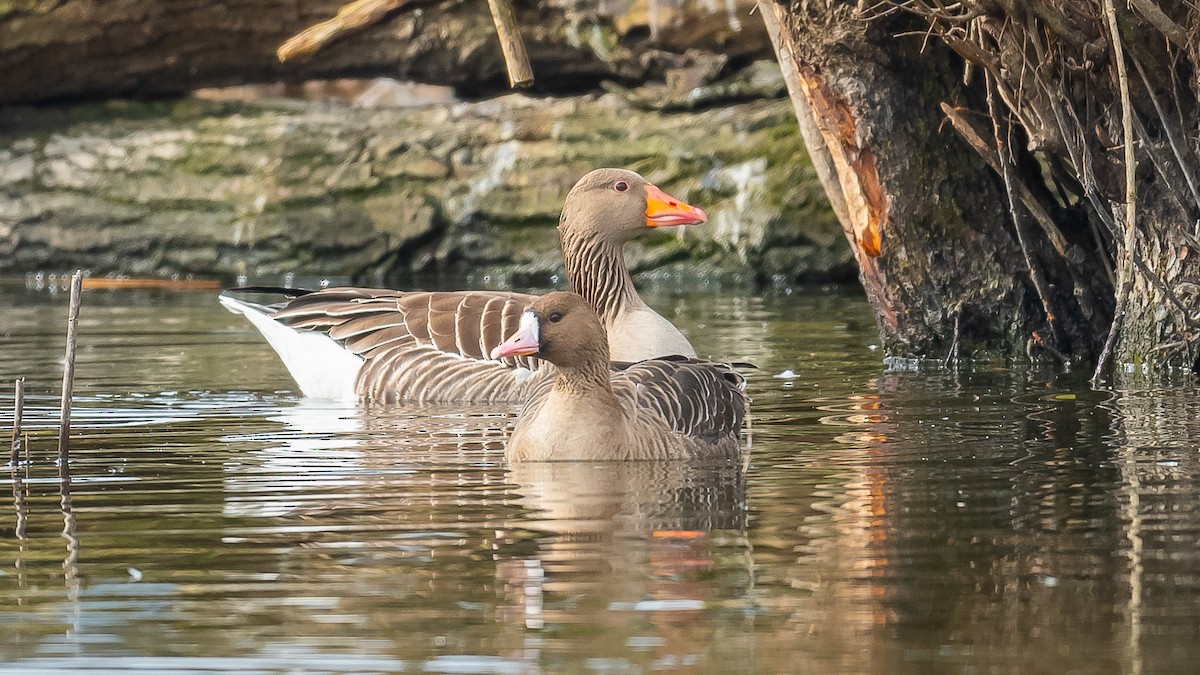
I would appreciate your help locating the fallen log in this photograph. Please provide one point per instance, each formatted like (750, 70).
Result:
(72, 49)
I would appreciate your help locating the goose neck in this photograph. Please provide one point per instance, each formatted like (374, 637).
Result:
(590, 379)
(596, 270)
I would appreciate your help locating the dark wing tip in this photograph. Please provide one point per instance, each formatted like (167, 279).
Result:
(274, 290)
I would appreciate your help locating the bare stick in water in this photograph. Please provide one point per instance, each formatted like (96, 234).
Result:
(18, 495)
(68, 385)
(18, 409)
(520, 73)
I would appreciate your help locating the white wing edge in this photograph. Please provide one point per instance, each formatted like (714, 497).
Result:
(321, 367)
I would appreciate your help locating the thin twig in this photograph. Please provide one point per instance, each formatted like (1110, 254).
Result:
(989, 155)
(1074, 142)
(1102, 252)
(18, 411)
(1125, 271)
(1002, 144)
(68, 383)
(1129, 141)
(1083, 296)
(1174, 32)
(952, 355)
(1169, 129)
(1160, 166)
(1176, 344)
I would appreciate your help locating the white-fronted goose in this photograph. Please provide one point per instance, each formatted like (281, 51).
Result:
(416, 346)
(665, 408)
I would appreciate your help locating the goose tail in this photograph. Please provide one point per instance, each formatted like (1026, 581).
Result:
(321, 366)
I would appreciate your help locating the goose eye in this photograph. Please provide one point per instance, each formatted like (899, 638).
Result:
(620, 186)
(554, 317)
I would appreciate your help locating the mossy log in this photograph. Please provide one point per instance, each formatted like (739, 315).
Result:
(231, 188)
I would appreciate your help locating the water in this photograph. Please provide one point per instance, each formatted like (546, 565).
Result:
(989, 520)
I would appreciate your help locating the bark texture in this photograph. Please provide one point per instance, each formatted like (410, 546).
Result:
(231, 188)
(937, 255)
(53, 49)
(990, 195)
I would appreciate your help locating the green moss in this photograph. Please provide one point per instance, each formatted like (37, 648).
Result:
(315, 169)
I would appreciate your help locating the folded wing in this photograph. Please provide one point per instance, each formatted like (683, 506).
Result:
(421, 346)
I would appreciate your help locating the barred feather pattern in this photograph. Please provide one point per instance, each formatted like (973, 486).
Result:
(421, 346)
(596, 270)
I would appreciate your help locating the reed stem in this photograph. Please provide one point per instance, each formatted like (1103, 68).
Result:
(68, 384)
(18, 411)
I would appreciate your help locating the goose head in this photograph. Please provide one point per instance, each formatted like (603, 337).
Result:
(561, 328)
(618, 204)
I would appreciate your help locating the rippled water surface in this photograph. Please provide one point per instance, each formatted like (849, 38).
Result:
(993, 520)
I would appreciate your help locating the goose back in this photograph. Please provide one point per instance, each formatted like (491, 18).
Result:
(670, 408)
(697, 399)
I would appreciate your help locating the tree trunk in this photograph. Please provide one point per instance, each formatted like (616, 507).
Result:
(940, 260)
(51, 49)
(995, 216)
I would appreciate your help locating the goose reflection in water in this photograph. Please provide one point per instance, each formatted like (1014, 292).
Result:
(416, 507)
(624, 537)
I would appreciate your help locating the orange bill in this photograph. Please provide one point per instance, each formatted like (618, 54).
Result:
(663, 210)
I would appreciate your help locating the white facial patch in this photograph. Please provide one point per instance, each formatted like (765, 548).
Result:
(529, 324)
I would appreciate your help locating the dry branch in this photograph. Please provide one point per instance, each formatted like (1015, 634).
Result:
(989, 155)
(520, 73)
(1129, 241)
(1006, 171)
(350, 18)
(1072, 130)
(1161, 21)
(1168, 127)
(363, 14)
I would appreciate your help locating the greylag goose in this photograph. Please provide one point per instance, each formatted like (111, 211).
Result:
(422, 347)
(660, 409)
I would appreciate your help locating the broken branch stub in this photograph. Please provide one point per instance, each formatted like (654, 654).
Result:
(516, 60)
(362, 14)
(352, 17)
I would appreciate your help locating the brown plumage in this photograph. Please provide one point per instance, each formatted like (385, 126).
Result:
(666, 408)
(417, 346)
(420, 346)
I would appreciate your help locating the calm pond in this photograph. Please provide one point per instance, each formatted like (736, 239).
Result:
(987, 520)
